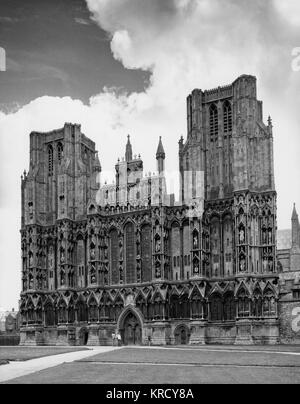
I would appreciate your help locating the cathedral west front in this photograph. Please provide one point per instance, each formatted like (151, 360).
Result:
(126, 258)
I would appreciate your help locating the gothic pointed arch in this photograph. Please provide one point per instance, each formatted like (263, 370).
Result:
(130, 252)
(243, 301)
(216, 306)
(213, 123)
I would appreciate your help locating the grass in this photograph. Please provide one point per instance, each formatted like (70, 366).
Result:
(18, 353)
(174, 366)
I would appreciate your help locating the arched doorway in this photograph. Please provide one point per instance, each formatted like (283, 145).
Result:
(83, 337)
(132, 330)
(182, 336)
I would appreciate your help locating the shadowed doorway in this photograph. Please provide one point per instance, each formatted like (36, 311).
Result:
(132, 330)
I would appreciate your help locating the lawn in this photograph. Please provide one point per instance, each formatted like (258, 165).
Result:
(20, 353)
(197, 357)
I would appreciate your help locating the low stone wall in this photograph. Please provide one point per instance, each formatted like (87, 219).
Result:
(289, 322)
(9, 339)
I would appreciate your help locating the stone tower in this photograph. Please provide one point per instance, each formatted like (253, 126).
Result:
(60, 186)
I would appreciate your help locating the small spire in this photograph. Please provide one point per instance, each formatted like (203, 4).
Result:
(269, 121)
(160, 150)
(128, 154)
(97, 162)
(294, 214)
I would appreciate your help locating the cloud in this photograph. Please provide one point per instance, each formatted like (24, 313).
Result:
(9, 20)
(290, 10)
(184, 44)
(82, 21)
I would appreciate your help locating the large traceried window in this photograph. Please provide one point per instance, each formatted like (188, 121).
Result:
(213, 123)
(114, 257)
(130, 253)
(216, 308)
(146, 253)
(50, 160)
(60, 152)
(227, 114)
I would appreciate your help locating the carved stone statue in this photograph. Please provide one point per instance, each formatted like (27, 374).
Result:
(195, 241)
(30, 259)
(270, 236)
(30, 282)
(242, 236)
(265, 264)
(93, 279)
(157, 245)
(62, 257)
(92, 254)
(242, 265)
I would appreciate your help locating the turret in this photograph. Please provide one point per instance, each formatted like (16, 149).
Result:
(160, 157)
(128, 154)
(295, 228)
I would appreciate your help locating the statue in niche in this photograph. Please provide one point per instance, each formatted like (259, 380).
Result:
(121, 273)
(157, 245)
(138, 271)
(44, 282)
(121, 248)
(195, 241)
(196, 269)
(270, 265)
(62, 256)
(264, 236)
(93, 253)
(24, 284)
(270, 236)
(157, 269)
(157, 229)
(30, 259)
(265, 264)
(39, 283)
(242, 264)
(93, 279)
(30, 282)
(62, 278)
(51, 258)
(242, 236)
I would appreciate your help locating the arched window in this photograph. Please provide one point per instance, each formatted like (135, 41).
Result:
(174, 307)
(130, 254)
(82, 314)
(257, 303)
(50, 160)
(227, 113)
(213, 123)
(196, 306)
(62, 313)
(49, 315)
(184, 307)
(114, 257)
(243, 305)
(142, 306)
(93, 311)
(60, 152)
(216, 308)
(30, 314)
(229, 307)
(269, 304)
(146, 253)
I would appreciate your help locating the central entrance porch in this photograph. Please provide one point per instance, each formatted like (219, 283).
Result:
(131, 332)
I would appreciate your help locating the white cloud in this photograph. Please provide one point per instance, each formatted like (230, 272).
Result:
(185, 44)
(290, 10)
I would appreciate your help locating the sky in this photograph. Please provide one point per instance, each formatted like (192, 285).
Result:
(126, 67)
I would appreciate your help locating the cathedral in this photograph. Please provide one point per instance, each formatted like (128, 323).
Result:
(126, 259)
